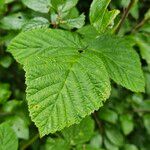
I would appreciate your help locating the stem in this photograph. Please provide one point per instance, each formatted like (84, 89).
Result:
(142, 110)
(98, 122)
(138, 26)
(30, 142)
(125, 15)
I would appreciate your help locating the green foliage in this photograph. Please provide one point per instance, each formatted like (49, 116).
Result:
(8, 139)
(71, 73)
(100, 17)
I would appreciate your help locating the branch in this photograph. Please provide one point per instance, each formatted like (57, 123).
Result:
(99, 124)
(125, 15)
(30, 142)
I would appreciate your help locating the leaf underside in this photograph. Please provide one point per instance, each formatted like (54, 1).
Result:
(68, 79)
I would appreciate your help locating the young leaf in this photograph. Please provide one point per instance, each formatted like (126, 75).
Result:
(146, 119)
(143, 41)
(5, 93)
(127, 123)
(115, 136)
(109, 145)
(67, 5)
(108, 115)
(130, 147)
(80, 133)
(19, 126)
(57, 87)
(13, 21)
(8, 139)
(74, 22)
(42, 6)
(63, 6)
(100, 17)
(37, 22)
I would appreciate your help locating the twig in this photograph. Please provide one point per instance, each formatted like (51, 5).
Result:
(142, 110)
(139, 25)
(98, 122)
(125, 15)
(30, 142)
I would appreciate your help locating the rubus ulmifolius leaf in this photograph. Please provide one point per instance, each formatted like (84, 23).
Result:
(67, 79)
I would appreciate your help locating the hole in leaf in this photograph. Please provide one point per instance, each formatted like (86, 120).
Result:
(19, 17)
(80, 51)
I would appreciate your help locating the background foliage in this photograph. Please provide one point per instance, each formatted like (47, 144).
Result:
(123, 123)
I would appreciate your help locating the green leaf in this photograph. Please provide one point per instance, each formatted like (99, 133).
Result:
(122, 63)
(109, 145)
(80, 133)
(96, 141)
(100, 17)
(56, 144)
(68, 68)
(108, 115)
(57, 87)
(143, 41)
(64, 5)
(88, 32)
(3, 7)
(130, 147)
(74, 22)
(115, 136)
(67, 5)
(4, 92)
(19, 126)
(37, 22)
(147, 15)
(146, 119)
(6, 61)
(127, 123)
(86, 147)
(13, 21)
(18, 108)
(42, 6)
(8, 139)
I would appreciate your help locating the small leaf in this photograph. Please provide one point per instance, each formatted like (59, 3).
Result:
(109, 145)
(8, 139)
(80, 133)
(147, 15)
(19, 126)
(13, 21)
(96, 141)
(143, 41)
(108, 115)
(74, 22)
(127, 123)
(115, 136)
(42, 6)
(67, 5)
(37, 22)
(146, 119)
(130, 147)
(100, 17)
(63, 6)
(4, 92)
(6, 61)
